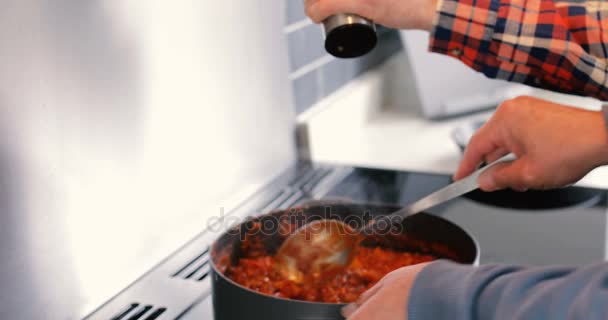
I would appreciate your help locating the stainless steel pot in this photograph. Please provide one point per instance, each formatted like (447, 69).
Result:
(232, 301)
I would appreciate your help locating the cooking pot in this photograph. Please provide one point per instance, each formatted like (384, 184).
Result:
(232, 301)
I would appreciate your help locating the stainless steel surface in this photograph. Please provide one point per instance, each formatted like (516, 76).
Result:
(341, 19)
(124, 126)
(449, 192)
(321, 246)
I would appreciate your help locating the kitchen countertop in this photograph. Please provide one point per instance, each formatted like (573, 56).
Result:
(360, 126)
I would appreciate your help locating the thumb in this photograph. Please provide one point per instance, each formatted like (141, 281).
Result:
(504, 175)
(319, 10)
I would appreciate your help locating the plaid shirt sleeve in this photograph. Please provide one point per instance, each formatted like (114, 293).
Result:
(561, 45)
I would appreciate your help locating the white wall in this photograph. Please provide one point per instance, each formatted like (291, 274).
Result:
(123, 125)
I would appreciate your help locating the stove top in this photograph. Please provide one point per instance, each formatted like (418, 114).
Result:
(567, 226)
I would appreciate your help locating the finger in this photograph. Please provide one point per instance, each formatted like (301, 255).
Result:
(312, 10)
(368, 312)
(495, 155)
(480, 145)
(348, 310)
(319, 10)
(369, 293)
(387, 305)
(506, 175)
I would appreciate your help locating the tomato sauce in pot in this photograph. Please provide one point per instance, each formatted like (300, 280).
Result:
(255, 270)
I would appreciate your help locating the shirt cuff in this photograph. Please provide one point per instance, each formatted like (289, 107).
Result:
(464, 29)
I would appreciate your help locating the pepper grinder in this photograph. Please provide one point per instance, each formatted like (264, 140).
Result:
(349, 35)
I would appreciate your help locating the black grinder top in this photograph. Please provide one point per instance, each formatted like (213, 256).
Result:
(349, 36)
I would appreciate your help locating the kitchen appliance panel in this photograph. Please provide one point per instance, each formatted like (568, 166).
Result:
(461, 89)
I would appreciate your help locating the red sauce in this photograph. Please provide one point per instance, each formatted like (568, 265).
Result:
(368, 267)
(255, 270)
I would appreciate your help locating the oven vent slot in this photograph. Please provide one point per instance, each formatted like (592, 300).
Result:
(316, 179)
(280, 196)
(303, 177)
(197, 269)
(294, 198)
(282, 200)
(135, 311)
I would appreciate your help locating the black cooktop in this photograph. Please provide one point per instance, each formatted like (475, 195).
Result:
(566, 226)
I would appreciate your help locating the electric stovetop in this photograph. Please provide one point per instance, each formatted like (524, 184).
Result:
(567, 226)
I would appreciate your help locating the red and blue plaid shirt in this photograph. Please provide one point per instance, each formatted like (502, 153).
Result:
(561, 45)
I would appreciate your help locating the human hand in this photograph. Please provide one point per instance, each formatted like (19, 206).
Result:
(555, 145)
(388, 299)
(410, 14)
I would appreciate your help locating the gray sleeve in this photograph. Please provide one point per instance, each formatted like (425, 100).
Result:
(445, 290)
